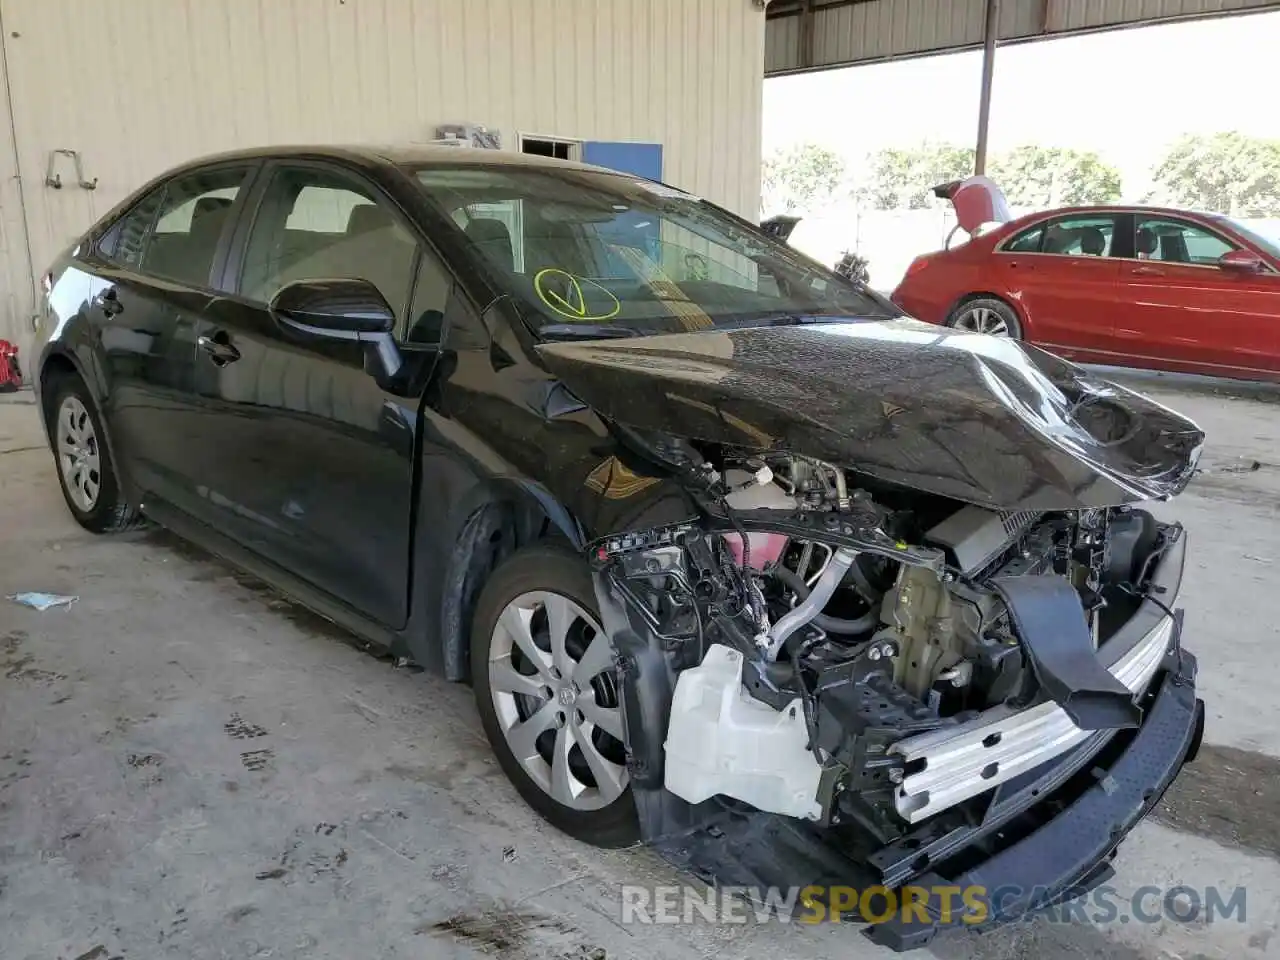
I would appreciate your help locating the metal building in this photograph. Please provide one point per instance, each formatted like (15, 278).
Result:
(806, 35)
(100, 95)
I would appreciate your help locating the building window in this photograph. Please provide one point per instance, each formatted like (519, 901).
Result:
(551, 147)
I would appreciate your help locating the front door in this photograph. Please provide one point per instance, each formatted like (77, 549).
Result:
(311, 463)
(1186, 313)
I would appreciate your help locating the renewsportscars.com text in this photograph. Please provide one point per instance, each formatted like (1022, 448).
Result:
(674, 904)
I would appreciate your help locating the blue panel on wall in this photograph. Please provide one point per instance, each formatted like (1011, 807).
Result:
(642, 159)
(629, 229)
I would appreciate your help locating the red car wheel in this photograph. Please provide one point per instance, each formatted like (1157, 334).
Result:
(986, 315)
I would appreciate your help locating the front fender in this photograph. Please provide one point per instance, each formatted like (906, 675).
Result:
(496, 516)
(497, 519)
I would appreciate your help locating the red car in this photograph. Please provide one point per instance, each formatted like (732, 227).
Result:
(1130, 286)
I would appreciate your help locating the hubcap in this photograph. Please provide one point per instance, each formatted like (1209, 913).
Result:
(555, 693)
(984, 320)
(78, 459)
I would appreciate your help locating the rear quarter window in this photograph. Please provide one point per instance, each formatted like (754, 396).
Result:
(1026, 242)
(125, 240)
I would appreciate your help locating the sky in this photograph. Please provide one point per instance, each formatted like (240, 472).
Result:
(1196, 77)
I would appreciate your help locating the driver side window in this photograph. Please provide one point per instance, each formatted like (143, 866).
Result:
(1177, 241)
(318, 224)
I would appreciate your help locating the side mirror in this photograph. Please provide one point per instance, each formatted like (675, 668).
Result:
(345, 310)
(1241, 261)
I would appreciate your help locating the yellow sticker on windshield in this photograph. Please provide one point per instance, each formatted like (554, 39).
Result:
(575, 298)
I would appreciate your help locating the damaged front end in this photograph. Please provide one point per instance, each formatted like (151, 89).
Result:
(916, 628)
(826, 684)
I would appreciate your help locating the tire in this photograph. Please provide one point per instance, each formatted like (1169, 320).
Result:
(553, 743)
(82, 457)
(987, 315)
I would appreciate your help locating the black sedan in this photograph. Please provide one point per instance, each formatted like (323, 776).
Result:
(739, 561)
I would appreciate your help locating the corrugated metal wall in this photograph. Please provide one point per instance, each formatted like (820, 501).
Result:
(139, 85)
(858, 31)
(17, 285)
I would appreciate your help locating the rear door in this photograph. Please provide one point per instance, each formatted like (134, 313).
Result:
(1184, 312)
(1064, 273)
(154, 282)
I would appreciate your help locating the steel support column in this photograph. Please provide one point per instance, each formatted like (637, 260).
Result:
(988, 67)
(808, 39)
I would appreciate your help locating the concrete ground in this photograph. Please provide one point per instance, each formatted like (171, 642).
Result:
(190, 766)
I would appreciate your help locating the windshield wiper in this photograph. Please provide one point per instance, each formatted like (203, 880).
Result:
(585, 331)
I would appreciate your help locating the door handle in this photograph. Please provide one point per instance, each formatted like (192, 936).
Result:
(220, 351)
(1147, 272)
(108, 301)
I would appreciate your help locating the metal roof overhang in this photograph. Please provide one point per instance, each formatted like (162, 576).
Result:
(807, 35)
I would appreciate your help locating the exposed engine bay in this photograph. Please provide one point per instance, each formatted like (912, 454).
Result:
(822, 623)
(884, 602)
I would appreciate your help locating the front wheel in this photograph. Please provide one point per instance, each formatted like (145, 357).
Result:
(547, 691)
(986, 315)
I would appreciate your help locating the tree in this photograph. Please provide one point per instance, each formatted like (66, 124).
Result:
(801, 179)
(903, 179)
(1222, 172)
(1045, 177)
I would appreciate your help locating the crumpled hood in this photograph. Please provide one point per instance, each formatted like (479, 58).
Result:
(984, 420)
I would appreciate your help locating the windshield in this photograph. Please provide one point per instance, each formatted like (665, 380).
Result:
(1265, 234)
(595, 248)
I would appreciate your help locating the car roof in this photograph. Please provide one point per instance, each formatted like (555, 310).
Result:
(1087, 209)
(365, 155)
(412, 154)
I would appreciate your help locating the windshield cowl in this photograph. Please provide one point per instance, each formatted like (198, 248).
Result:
(601, 331)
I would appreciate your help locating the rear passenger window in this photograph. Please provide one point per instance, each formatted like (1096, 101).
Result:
(1080, 236)
(190, 223)
(317, 224)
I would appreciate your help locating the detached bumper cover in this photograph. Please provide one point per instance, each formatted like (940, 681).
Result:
(1068, 854)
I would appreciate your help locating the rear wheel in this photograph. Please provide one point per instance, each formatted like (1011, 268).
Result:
(80, 451)
(547, 692)
(986, 315)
